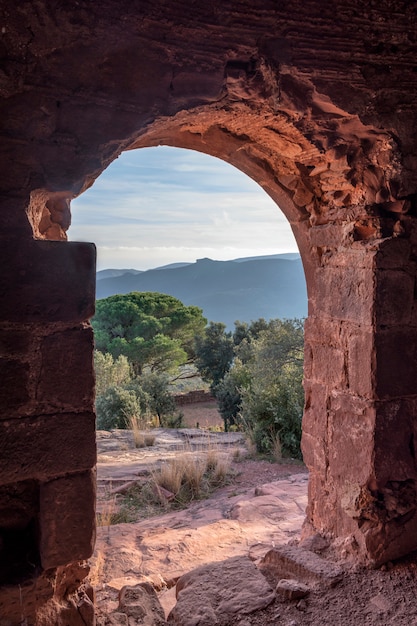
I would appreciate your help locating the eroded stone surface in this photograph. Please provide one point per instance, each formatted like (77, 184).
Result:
(214, 593)
(290, 589)
(302, 564)
(141, 603)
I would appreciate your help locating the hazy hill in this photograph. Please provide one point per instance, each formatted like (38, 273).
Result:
(226, 290)
(115, 273)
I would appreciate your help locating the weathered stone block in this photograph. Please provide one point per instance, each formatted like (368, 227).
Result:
(396, 362)
(308, 567)
(14, 343)
(345, 293)
(329, 366)
(356, 255)
(393, 253)
(315, 411)
(290, 589)
(14, 392)
(67, 520)
(360, 361)
(214, 593)
(329, 235)
(394, 297)
(33, 288)
(49, 445)
(351, 438)
(141, 603)
(67, 376)
(395, 453)
(315, 453)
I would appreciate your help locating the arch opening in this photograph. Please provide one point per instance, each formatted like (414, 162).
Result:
(329, 182)
(333, 139)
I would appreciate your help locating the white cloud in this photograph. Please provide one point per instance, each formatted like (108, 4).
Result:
(157, 206)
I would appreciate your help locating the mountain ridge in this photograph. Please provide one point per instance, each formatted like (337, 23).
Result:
(226, 290)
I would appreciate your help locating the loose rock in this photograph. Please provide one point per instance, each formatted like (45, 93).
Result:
(213, 593)
(284, 561)
(290, 589)
(141, 603)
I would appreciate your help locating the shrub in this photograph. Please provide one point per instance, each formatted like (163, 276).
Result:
(116, 407)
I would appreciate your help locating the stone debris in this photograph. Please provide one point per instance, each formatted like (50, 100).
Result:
(380, 604)
(212, 594)
(117, 619)
(138, 606)
(285, 561)
(315, 543)
(290, 589)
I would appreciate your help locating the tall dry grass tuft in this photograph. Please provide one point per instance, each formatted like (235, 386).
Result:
(96, 574)
(194, 469)
(141, 439)
(183, 477)
(212, 459)
(221, 471)
(276, 448)
(170, 475)
(107, 513)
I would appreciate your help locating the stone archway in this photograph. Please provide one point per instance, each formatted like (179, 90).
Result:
(332, 141)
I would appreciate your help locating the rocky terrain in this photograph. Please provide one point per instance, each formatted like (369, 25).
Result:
(206, 565)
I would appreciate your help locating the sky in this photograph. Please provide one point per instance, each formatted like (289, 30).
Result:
(155, 206)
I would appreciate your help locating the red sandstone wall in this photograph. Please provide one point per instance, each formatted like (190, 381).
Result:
(315, 101)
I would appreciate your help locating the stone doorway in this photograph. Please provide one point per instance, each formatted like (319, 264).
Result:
(321, 113)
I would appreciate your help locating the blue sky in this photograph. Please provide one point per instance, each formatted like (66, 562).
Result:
(163, 205)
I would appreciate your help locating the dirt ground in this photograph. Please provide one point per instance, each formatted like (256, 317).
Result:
(363, 596)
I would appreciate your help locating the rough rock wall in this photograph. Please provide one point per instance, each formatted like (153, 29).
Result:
(315, 101)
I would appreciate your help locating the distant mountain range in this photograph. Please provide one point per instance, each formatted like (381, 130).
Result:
(243, 289)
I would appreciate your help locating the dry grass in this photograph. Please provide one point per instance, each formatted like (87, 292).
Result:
(276, 448)
(141, 439)
(221, 471)
(212, 459)
(177, 482)
(237, 455)
(96, 574)
(194, 469)
(170, 475)
(105, 517)
(192, 476)
(182, 476)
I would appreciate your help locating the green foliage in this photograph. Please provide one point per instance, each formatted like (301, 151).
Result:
(272, 403)
(110, 372)
(161, 402)
(228, 393)
(262, 390)
(214, 353)
(142, 397)
(116, 406)
(152, 330)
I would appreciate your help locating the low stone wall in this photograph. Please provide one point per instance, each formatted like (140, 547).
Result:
(193, 397)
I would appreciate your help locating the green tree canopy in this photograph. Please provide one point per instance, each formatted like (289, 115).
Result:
(272, 398)
(214, 352)
(110, 372)
(151, 329)
(256, 376)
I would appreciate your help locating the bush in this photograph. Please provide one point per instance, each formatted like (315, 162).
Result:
(116, 407)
